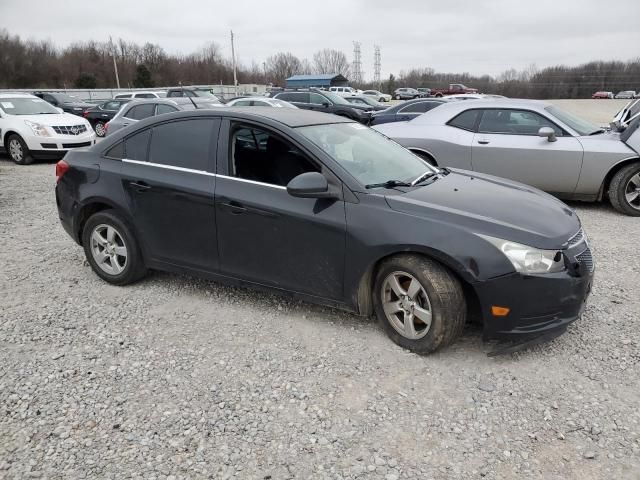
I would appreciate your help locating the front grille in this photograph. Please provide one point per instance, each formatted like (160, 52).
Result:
(576, 239)
(48, 145)
(586, 259)
(76, 145)
(72, 130)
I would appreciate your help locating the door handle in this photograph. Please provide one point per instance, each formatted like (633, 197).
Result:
(140, 186)
(125, 124)
(483, 141)
(236, 208)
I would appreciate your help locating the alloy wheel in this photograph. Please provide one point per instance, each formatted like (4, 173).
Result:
(632, 191)
(15, 150)
(108, 249)
(406, 305)
(100, 129)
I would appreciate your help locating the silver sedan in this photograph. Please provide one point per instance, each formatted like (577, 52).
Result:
(532, 142)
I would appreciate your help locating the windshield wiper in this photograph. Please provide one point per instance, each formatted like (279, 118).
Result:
(389, 184)
(426, 175)
(596, 132)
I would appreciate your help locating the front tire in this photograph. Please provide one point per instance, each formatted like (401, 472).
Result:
(111, 249)
(397, 97)
(624, 190)
(419, 303)
(18, 150)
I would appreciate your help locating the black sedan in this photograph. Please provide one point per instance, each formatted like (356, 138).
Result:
(329, 211)
(405, 111)
(99, 115)
(66, 102)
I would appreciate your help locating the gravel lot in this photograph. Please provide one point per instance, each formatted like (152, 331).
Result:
(176, 377)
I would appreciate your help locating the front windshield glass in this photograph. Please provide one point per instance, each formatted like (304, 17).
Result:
(26, 106)
(64, 98)
(367, 155)
(204, 93)
(335, 98)
(579, 125)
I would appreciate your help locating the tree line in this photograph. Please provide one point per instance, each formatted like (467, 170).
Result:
(39, 64)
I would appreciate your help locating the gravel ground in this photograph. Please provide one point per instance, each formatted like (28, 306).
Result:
(176, 377)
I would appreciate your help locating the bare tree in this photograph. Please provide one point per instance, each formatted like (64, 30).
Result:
(331, 61)
(282, 66)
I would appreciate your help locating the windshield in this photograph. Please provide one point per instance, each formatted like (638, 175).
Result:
(64, 98)
(335, 98)
(579, 125)
(204, 93)
(26, 106)
(367, 155)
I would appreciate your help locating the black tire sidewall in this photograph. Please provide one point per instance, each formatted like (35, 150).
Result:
(617, 192)
(134, 268)
(436, 335)
(27, 159)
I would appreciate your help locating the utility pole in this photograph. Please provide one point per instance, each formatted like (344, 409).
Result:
(357, 64)
(376, 65)
(115, 65)
(233, 59)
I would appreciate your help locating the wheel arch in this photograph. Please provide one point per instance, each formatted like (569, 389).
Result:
(364, 294)
(98, 204)
(8, 133)
(422, 151)
(604, 188)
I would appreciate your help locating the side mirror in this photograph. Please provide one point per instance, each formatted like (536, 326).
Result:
(59, 110)
(547, 132)
(309, 185)
(325, 104)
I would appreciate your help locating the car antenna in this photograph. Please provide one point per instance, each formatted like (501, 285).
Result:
(190, 98)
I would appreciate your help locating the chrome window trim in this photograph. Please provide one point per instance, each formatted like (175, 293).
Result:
(201, 172)
(169, 167)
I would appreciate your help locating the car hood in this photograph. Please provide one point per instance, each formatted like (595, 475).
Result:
(491, 206)
(62, 119)
(609, 142)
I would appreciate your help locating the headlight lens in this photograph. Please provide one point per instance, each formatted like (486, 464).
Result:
(526, 259)
(38, 129)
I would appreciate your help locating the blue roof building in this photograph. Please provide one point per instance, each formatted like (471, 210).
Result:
(317, 80)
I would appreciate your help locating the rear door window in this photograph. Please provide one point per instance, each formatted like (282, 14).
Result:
(184, 143)
(140, 112)
(419, 107)
(162, 108)
(136, 146)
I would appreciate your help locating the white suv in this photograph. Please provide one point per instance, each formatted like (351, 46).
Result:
(32, 128)
(344, 91)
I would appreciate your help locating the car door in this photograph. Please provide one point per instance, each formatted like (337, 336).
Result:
(507, 145)
(169, 182)
(299, 99)
(264, 234)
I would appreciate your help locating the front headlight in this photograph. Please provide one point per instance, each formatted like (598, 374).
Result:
(38, 129)
(529, 260)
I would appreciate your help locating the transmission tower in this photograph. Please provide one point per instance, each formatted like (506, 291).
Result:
(376, 65)
(357, 64)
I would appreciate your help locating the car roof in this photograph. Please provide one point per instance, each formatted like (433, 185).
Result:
(449, 109)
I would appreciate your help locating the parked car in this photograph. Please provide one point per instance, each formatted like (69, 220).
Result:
(137, 110)
(203, 92)
(424, 92)
(626, 94)
(131, 95)
(31, 128)
(323, 101)
(100, 115)
(376, 95)
(454, 89)
(406, 111)
(66, 102)
(474, 96)
(532, 142)
(366, 102)
(344, 91)
(602, 95)
(406, 93)
(259, 102)
(328, 211)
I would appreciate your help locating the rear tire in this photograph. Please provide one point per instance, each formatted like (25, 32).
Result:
(419, 303)
(624, 190)
(17, 150)
(112, 249)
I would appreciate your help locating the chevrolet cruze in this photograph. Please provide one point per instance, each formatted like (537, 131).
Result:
(329, 211)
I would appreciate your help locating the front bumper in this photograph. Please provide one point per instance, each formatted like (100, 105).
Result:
(538, 304)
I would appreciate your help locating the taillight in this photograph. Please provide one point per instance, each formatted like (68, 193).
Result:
(62, 167)
(85, 114)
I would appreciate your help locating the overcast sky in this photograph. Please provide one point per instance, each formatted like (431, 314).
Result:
(448, 35)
